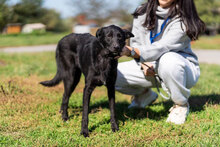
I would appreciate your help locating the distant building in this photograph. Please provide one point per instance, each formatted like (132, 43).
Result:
(84, 25)
(114, 21)
(81, 29)
(83, 20)
(29, 28)
(12, 28)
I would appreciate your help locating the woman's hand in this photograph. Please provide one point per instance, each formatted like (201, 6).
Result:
(126, 51)
(148, 69)
(146, 66)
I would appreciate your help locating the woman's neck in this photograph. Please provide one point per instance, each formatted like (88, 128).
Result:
(165, 7)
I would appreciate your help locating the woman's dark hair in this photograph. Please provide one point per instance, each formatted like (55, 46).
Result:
(185, 9)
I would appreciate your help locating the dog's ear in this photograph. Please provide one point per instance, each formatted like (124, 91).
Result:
(128, 34)
(99, 33)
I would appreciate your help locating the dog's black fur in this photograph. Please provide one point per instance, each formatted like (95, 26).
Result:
(96, 58)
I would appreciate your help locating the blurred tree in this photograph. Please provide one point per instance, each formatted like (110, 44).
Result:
(4, 12)
(102, 10)
(93, 9)
(52, 20)
(27, 11)
(37, 3)
(207, 11)
(121, 12)
(31, 11)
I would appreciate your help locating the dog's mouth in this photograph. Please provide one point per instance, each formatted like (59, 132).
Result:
(114, 55)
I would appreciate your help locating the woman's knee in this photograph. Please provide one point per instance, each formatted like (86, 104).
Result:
(123, 73)
(129, 74)
(171, 64)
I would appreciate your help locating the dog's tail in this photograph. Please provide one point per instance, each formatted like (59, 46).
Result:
(58, 77)
(56, 80)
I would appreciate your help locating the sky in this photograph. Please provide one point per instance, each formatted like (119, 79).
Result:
(64, 6)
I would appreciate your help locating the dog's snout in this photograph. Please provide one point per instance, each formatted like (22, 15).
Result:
(117, 47)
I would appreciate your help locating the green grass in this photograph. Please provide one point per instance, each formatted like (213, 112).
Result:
(29, 112)
(207, 42)
(30, 39)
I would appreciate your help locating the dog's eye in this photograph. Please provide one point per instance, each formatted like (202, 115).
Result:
(110, 35)
(119, 36)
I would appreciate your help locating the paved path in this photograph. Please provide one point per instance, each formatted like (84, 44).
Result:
(205, 56)
(208, 56)
(22, 49)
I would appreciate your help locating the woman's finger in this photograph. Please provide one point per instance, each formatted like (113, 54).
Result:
(150, 72)
(147, 70)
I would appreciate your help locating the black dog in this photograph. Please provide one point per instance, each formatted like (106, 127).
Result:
(95, 57)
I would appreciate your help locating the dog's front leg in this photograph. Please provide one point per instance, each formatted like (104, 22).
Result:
(111, 97)
(86, 99)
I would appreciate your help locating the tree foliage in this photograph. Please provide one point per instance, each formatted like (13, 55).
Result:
(4, 12)
(102, 10)
(30, 11)
(121, 12)
(208, 11)
(26, 12)
(52, 20)
(93, 9)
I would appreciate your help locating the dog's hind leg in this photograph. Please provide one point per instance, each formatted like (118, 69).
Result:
(70, 83)
(86, 100)
(111, 97)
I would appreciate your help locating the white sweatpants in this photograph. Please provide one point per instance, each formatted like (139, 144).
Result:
(177, 73)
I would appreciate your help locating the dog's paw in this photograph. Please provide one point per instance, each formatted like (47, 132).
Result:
(65, 119)
(65, 116)
(115, 127)
(85, 133)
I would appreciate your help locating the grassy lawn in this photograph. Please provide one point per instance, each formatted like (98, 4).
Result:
(29, 113)
(206, 42)
(30, 39)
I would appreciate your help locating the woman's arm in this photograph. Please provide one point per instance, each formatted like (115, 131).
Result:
(128, 53)
(175, 39)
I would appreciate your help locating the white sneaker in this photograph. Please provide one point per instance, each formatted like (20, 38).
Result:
(143, 100)
(178, 114)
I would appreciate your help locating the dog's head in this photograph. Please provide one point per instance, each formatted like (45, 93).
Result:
(113, 38)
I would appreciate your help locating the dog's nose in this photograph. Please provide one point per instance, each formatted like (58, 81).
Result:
(117, 47)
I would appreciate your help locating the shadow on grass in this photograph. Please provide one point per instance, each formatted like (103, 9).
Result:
(197, 103)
